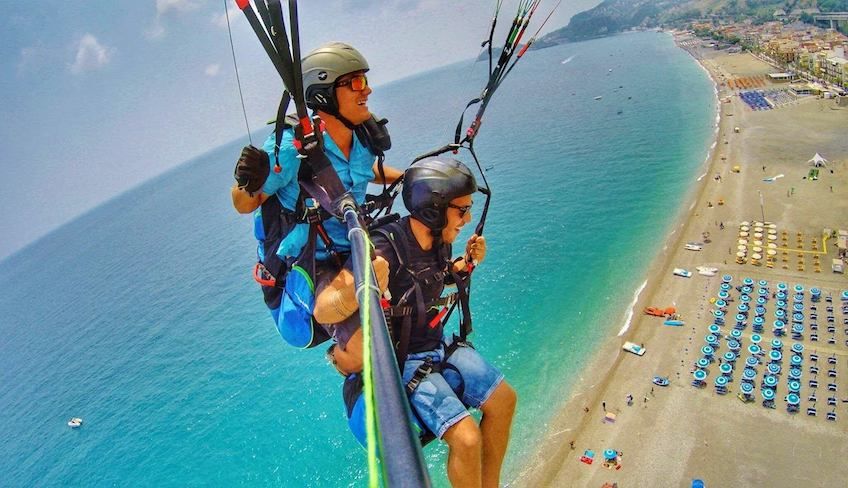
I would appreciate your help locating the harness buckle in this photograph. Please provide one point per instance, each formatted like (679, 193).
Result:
(420, 373)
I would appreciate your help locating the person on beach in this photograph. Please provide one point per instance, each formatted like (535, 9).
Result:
(444, 377)
(336, 89)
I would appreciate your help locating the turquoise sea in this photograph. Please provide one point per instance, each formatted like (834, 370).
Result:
(141, 317)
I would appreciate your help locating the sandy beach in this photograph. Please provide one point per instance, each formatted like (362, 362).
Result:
(671, 435)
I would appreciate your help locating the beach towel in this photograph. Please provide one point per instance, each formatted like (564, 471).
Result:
(609, 418)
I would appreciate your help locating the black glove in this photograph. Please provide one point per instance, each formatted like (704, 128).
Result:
(252, 169)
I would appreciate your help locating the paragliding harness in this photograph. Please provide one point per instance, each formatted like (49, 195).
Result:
(288, 284)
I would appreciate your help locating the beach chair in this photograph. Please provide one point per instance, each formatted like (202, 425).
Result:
(814, 384)
(831, 359)
(832, 340)
(811, 411)
(831, 373)
(831, 401)
(814, 326)
(814, 357)
(814, 337)
(831, 387)
(814, 370)
(831, 416)
(812, 398)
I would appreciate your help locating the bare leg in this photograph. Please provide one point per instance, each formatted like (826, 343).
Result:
(495, 425)
(464, 459)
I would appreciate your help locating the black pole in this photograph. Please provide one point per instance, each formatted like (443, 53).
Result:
(400, 449)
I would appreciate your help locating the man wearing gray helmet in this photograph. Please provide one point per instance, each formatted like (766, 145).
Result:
(443, 376)
(336, 89)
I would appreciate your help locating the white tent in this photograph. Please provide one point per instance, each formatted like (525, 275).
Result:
(818, 161)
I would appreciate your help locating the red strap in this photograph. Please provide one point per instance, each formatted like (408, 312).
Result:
(438, 317)
(384, 304)
(257, 276)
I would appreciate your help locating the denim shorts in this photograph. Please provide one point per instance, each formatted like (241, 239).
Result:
(442, 398)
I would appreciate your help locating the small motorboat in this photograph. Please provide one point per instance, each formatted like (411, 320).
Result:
(682, 272)
(694, 246)
(75, 422)
(706, 270)
(634, 348)
(598, 97)
(660, 380)
(674, 322)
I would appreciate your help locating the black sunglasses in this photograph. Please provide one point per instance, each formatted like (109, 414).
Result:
(462, 209)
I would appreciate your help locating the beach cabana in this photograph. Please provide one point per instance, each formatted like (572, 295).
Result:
(817, 161)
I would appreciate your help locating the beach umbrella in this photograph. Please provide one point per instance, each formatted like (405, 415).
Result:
(725, 368)
(714, 329)
(726, 278)
(703, 362)
(776, 344)
(729, 357)
(724, 286)
(756, 256)
(743, 234)
(758, 249)
(721, 381)
(749, 374)
(795, 360)
(797, 348)
(758, 235)
(771, 226)
(768, 394)
(707, 351)
(711, 340)
(762, 283)
(774, 368)
(795, 374)
(770, 381)
(736, 334)
(772, 245)
(733, 345)
(798, 328)
(794, 386)
(781, 295)
(756, 338)
(746, 388)
(745, 297)
(798, 298)
(718, 313)
(740, 318)
(747, 289)
(793, 399)
(751, 361)
(798, 317)
(781, 286)
(745, 222)
(771, 252)
(720, 303)
(723, 295)
(610, 454)
(844, 295)
(760, 310)
(762, 292)
(757, 242)
(779, 313)
(740, 254)
(799, 289)
(741, 248)
(798, 307)
(700, 374)
(781, 305)
(754, 349)
(758, 321)
(747, 282)
(775, 355)
(744, 228)
(743, 307)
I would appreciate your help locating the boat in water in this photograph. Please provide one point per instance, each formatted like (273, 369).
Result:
(599, 97)
(75, 422)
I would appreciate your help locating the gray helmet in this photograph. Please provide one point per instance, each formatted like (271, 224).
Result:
(431, 184)
(322, 67)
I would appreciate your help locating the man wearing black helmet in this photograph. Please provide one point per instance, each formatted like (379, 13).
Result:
(443, 379)
(336, 88)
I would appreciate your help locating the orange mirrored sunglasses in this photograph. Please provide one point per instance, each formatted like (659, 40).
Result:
(356, 83)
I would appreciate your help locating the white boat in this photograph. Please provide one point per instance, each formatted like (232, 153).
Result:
(706, 270)
(634, 348)
(75, 422)
(682, 272)
(598, 97)
(694, 246)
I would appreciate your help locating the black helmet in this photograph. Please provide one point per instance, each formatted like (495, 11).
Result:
(322, 67)
(431, 184)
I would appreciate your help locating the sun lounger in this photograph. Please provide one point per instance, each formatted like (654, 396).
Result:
(814, 337)
(814, 370)
(831, 401)
(831, 416)
(832, 340)
(814, 384)
(814, 357)
(831, 373)
(812, 397)
(831, 360)
(811, 411)
(831, 387)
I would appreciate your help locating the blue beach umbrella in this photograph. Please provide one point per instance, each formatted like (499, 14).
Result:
(798, 298)
(793, 399)
(768, 394)
(710, 339)
(707, 350)
(746, 290)
(798, 307)
(745, 297)
(721, 381)
(746, 388)
(723, 295)
(729, 357)
(725, 368)
(781, 286)
(781, 304)
(749, 374)
(762, 292)
(774, 368)
(795, 374)
(799, 289)
(756, 338)
(751, 361)
(775, 355)
(726, 278)
(610, 454)
(795, 360)
(760, 311)
(754, 349)
(703, 362)
(798, 328)
(718, 313)
(714, 329)
(797, 348)
(770, 381)
(761, 301)
(779, 313)
(797, 317)
(740, 318)
(758, 321)
(736, 334)
(762, 283)
(742, 307)
(747, 282)
(794, 386)
(733, 345)
(720, 303)
(845, 295)
(700, 374)
(776, 344)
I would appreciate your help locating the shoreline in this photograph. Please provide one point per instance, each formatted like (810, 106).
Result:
(606, 380)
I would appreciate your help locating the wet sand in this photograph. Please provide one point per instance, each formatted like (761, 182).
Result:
(674, 434)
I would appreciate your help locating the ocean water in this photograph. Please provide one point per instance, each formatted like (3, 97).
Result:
(141, 317)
